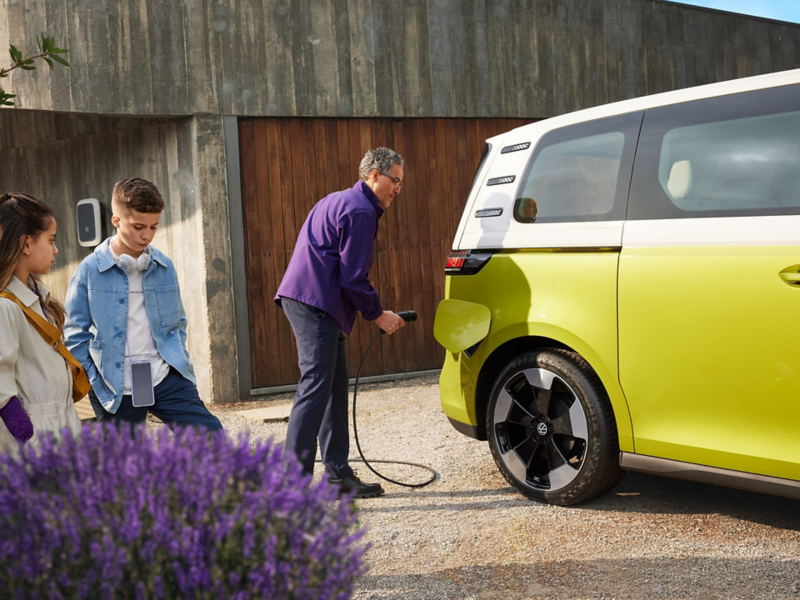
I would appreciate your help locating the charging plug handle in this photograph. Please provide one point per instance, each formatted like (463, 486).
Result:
(407, 315)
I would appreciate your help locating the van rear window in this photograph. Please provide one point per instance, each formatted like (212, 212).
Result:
(580, 173)
(737, 155)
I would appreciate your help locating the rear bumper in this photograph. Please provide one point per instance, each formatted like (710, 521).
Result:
(457, 391)
(468, 430)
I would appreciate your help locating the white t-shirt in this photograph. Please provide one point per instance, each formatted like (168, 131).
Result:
(140, 338)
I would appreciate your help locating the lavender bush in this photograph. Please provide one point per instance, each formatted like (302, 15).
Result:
(162, 516)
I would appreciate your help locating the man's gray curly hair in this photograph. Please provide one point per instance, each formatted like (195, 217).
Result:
(381, 159)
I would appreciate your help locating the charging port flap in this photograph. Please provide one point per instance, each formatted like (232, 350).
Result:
(460, 325)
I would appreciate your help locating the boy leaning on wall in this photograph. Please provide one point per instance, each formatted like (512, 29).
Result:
(126, 323)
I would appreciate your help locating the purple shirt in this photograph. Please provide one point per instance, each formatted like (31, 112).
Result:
(333, 255)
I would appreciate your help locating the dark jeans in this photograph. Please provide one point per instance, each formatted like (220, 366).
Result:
(177, 403)
(320, 404)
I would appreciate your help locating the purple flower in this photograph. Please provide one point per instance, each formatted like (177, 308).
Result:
(109, 515)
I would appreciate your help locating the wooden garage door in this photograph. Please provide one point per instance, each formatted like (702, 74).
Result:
(289, 164)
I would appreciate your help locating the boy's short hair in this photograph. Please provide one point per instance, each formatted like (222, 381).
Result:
(137, 193)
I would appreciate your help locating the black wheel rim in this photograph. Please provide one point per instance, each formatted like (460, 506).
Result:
(541, 430)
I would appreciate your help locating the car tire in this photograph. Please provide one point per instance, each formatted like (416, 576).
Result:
(551, 428)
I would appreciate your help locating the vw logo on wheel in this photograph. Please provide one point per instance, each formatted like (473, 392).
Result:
(541, 429)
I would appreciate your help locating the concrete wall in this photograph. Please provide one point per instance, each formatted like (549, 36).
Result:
(63, 158)
(446, 58)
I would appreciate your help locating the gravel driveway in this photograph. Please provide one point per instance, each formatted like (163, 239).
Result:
(469, 536)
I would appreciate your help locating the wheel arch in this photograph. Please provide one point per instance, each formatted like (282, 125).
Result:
(519, 342)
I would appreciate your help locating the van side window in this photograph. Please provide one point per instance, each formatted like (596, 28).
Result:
(736, 155)
(580, 172)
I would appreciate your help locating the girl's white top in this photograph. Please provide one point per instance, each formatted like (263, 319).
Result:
(32, 370)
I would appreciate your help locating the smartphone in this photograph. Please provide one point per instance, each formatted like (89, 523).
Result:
(142, 385)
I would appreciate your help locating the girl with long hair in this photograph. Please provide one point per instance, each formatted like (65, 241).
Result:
(35, 380)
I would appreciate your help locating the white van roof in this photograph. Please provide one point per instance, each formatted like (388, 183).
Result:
(711, 90)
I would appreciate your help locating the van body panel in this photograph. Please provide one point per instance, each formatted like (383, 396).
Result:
(500, 233)
(528, 294)
(718, 382)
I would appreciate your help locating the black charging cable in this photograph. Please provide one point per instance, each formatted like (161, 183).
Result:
(408, 316)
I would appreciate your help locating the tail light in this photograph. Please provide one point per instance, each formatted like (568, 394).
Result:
(466, 262)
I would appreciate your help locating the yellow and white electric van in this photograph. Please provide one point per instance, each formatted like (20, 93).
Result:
(624, 294)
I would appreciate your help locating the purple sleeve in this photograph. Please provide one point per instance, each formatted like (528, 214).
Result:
(356, 252)
(17, 420)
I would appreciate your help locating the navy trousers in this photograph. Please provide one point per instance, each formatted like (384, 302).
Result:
(320, 404)
(177, 403)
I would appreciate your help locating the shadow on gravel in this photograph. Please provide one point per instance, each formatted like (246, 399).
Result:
(637, 493)
(455, 494)
(652, 494)
(501, 499)
(701, 577)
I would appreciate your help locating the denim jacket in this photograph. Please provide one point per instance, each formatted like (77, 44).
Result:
(97, 320)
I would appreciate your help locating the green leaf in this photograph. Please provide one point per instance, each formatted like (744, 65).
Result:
(59, 51)
(59, 60)
(5, 97)
(49, 62)
(16, 55)
(27, 68)
(28, 61)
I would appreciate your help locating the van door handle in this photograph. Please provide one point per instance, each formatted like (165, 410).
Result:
(791, 276)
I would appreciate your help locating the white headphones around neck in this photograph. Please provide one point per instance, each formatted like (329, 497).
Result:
(129, 264)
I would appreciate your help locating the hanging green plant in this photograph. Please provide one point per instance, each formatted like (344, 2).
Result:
(48, 52)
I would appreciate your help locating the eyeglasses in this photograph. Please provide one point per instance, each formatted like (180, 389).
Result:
(398, 183)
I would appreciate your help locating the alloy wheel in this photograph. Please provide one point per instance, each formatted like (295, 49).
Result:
(541, 430)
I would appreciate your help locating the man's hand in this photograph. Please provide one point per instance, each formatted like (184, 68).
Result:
(389, 322)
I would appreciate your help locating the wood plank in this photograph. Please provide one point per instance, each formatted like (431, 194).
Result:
(445, 168)
(416, 187)
(264, 226)
(349, 147)
(305, 82)
(437, 213)
(362, 32)
(402, 254)
(368, 330)
(281, 95)
(387, 234)
(291, 226)
(464, 172)
(429, 224)
(331, 156)
(385, 19)
(311, 194)
(252, 249)
(286, 369)
(341, 20)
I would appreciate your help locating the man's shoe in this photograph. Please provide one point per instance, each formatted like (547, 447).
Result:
(363, 490)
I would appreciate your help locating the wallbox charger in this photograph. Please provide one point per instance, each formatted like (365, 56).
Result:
(90, 222)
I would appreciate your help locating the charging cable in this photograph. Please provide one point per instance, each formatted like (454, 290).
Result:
(408, 316)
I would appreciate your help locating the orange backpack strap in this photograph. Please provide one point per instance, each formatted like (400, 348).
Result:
(51, 334)
(47, 330)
